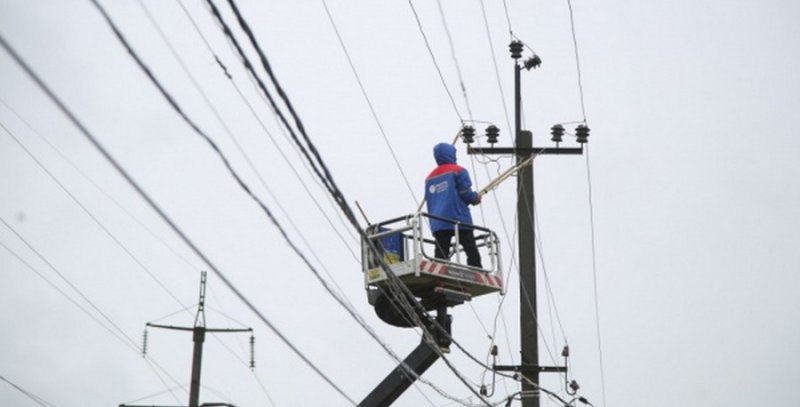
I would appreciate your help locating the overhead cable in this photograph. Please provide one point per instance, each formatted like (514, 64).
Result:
(369, 103)
(235, 140)
(93, 217)
(433, 59)
(315, 162)
(118, 205)
(529, 206)
(594, 277)
(546, 275)
(335, 191)
(508, 18)
(591, 206)
(93, 140)
(149, 396)
(97, 186)
(118, 334)
(455, 59)
(38, 400)
(577, 58)
(64, 278)
(496, 69)
(163, 215)
(330, 184)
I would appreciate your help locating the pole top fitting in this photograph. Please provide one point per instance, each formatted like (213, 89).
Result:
(516, 49)
(533, 62)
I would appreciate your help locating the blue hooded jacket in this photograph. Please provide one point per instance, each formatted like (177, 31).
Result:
(448, 190)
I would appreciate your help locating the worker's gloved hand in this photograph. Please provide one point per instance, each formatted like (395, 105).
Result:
(478, 200)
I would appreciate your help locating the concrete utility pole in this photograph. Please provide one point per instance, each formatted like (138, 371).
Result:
(199, 331)
(523, 149)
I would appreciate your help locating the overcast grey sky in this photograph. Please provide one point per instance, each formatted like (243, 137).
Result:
(694, 180)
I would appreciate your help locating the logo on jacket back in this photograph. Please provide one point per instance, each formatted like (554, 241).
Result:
(438, 187)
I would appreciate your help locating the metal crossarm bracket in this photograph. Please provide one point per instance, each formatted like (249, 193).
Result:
(518, 368)
(526, 151)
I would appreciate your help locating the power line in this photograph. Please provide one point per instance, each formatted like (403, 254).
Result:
(128, 343)
(236, 142)
(331, 183)
(149, 200)
(345, 208)
(503, 99)
(591, 206)
(95, 219)
(496, 69)
(261, 123)
(501, 302)
(577, 58)
(404, 293)
(92, 216)
(433, 58)
(96, 144)
(594, 276)
(508, 17)
(69, 283)
(155, 394)
(116, 165)
(40, 401)
(323, 282)
(529, 207)
(455, 59)
(107, 195)
(263, 388)
(532, 212)
(327, 179)
(369, 103)
(316, 164)
(96, 185)
(118, 334)
(546, 275)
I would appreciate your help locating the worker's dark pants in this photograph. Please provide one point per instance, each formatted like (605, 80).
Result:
(466, 238)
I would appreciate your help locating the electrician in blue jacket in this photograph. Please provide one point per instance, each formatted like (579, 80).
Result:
(448, 192)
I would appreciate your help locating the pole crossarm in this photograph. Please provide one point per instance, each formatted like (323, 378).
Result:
(189, 328)
(176, 328)
(229, 329)
(518, 368)
(526, 151)
(199, 331)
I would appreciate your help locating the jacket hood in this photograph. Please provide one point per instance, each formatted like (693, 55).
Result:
(444, 153)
